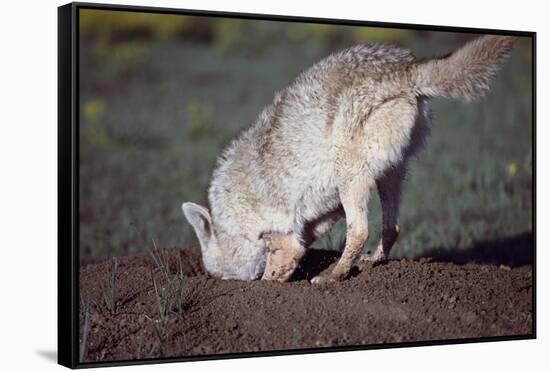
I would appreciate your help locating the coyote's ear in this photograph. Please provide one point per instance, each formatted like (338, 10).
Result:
(199, 218)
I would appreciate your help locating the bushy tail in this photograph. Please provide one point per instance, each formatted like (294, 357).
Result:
(467, 72)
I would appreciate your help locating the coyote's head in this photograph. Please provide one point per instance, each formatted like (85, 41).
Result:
(225, 256)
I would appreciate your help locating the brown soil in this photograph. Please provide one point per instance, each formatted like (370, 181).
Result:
(399, 301)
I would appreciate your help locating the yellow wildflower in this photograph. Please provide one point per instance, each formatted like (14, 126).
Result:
(93, 109)
(512, 169)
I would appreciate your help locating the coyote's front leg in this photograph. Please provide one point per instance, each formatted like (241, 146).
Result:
(389, 189)
(354, 197)
(284, 252)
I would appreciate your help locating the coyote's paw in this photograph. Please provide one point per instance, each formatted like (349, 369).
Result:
(317, 280)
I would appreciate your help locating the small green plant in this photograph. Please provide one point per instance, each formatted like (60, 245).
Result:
(163, 298)
(160, 258)
(141, 336)
(169, 288)
(83, 341)
(109, 290)
(158, 326)
(181, 291)
(147, 349)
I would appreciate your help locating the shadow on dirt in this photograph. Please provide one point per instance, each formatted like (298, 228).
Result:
(512, 251)
(314, 262)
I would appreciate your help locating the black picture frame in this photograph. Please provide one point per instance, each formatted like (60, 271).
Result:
(68, 180)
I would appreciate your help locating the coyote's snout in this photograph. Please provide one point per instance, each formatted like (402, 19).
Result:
(346, 125)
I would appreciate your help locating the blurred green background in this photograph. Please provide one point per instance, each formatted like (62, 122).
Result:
(161, 95)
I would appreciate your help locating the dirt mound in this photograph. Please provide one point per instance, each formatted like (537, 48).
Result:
(167, 306)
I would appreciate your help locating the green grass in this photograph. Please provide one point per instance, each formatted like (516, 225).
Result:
(109, 289)
(168, 287)
(155, 113)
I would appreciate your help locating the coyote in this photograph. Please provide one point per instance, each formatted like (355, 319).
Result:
(348, 124)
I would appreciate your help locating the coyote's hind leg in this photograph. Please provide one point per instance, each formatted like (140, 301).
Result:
(389, 189)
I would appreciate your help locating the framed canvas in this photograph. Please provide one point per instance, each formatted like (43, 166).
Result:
(237, 185)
